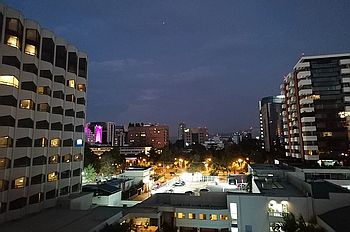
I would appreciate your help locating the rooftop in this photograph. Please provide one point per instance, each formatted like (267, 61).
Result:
(338, 219)
(278, 188)
(321, 189)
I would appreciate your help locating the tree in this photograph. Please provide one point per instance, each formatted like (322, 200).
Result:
(107, 166)
(90, 157)
(290, 224)
(90, 173)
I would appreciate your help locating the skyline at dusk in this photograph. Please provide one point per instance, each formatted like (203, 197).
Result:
(206, 63)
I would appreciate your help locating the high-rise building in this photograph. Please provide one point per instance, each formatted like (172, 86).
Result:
(271, 133)
(43, 82)
(100, 133)
(120, 136)
(195, 135)
(316, 109)
(143, 135)
(181, 131)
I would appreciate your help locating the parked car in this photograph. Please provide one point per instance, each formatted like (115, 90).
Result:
(179, 183)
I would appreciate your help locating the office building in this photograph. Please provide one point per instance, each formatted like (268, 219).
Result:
(181, 131)
(120, 136)
(143, 135)
(194, 136)
(100, 133)
(43, 82)
(316, 109)
(271, 132)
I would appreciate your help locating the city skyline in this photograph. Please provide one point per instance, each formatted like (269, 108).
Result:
(159, 62)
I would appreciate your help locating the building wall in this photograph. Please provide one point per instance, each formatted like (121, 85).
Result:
(156, 136)
(111, 200)
(53, 88)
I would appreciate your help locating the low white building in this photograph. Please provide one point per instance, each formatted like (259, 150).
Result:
(139, 174)
(104, 194)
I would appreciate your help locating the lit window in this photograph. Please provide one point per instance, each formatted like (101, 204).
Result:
(52, 176)
(6, 142)
(181, 215)
(77, 157)
(277, 209)
(27, 104)
(223, 217)
(9, 80)
(30, 50)
(13, 41)
(192, 216)
(67, 158)
(202, 216)
(55, 143)
(20, 182)
(327, 134)
(213, 217)
(78, 142)
(54, 159)
(71, 83)
(81, 88)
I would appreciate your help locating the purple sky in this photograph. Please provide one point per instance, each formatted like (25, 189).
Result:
(204, 62)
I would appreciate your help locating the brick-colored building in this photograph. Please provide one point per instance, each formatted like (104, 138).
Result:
(154, 135)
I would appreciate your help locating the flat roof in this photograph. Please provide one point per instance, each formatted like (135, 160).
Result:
(338, 219)
(270, 167)
(321, 189)
(62, 220)
(280, 188)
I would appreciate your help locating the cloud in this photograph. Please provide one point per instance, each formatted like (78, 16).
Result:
(118, 65)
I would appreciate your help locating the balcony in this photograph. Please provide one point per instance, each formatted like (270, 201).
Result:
(345, 71)
(302, 65)
(311, 148)
(305, 92)
(345, 80)
(304, 82)
(308, 128)
(303, 74)
(307, 109)
(305, 101)
(309, 138)
(345, 61)
(307, 119)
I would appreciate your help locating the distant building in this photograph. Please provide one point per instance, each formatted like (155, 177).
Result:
(100, 133)
(120, 136)
(181, 131)
(236, 137)
(143, 135)
(271, 132)
(195, 135)
(214, 143)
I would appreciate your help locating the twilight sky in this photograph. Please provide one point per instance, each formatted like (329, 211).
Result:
(204, 62)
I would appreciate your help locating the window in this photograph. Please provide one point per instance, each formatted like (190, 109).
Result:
(76, 188)
(44, 90)
(77, 157)
(55, 142)
(68, 127)
(51, 194)
(69, 112)
(70, 97)
(52, 176)
(40, 160)
(278, 209)
(71, 83)
(6, 141)
(81, 87)
(191, 216)
(12, 61)
(8, 101)
(79, 128)
(76, 172)
(42, 125)
(4, 185)
(5, 163)
(65, 174)
(32, 43)
(21, 162)
(82, 67)
(223, 217)
(61, 56)
(64, 190)
(7, 121)
(79, 142)
(46, 74)
(57, 110)
(41, 142)
(234, 213)
(29, 85)
(1, 22)
(58, 94)
(36, 198)
(68, 143)
(56, 126)
(327, 134)
(80, 114)
(27, 104)
(213, 217)
(81, 101)
(48, 50)
(14, 33)
(18, 203)
(43, 107)
(25, 123)
(24, 142)
(181, 215)
(31, 68)
(54, 159)
(3, 205)
(66, 158)
(59, 79)
(38, 179)
(72, 62)
(9, 80)
(20, 182)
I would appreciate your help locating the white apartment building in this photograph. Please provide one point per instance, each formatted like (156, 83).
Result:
(43, 81)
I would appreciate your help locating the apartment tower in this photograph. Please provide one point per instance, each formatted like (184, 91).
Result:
(43, 82)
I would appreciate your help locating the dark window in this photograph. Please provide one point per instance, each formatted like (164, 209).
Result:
(51, 194)
(32, 42)
(24, 142)
(42, 124)
(76, 172)
(72, 62)
(12, 61)
(3, 205)
(59, 79)
(45, 90)
(70, 97)
(79, 128)
(57, 110)
(64, 191)
(41, 142)
(30, 68)
(7, 121)
(1, 21)
(8, 100)
(46, 74)
(58, 94)
(61, 56)
(14, 33)
(21, 162)
(38, 179)
(43, 107)
(18, 203)
(48, 50)
(40, 160)
(4, 185)
(80, 114)
(56, 126)
(65, 174)
(36, 198)
(69, 112)
(76, 188)
(69, 127)
(29, 85)
(81, 101)
(82, 67)
(68, 143)
(25, 123)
